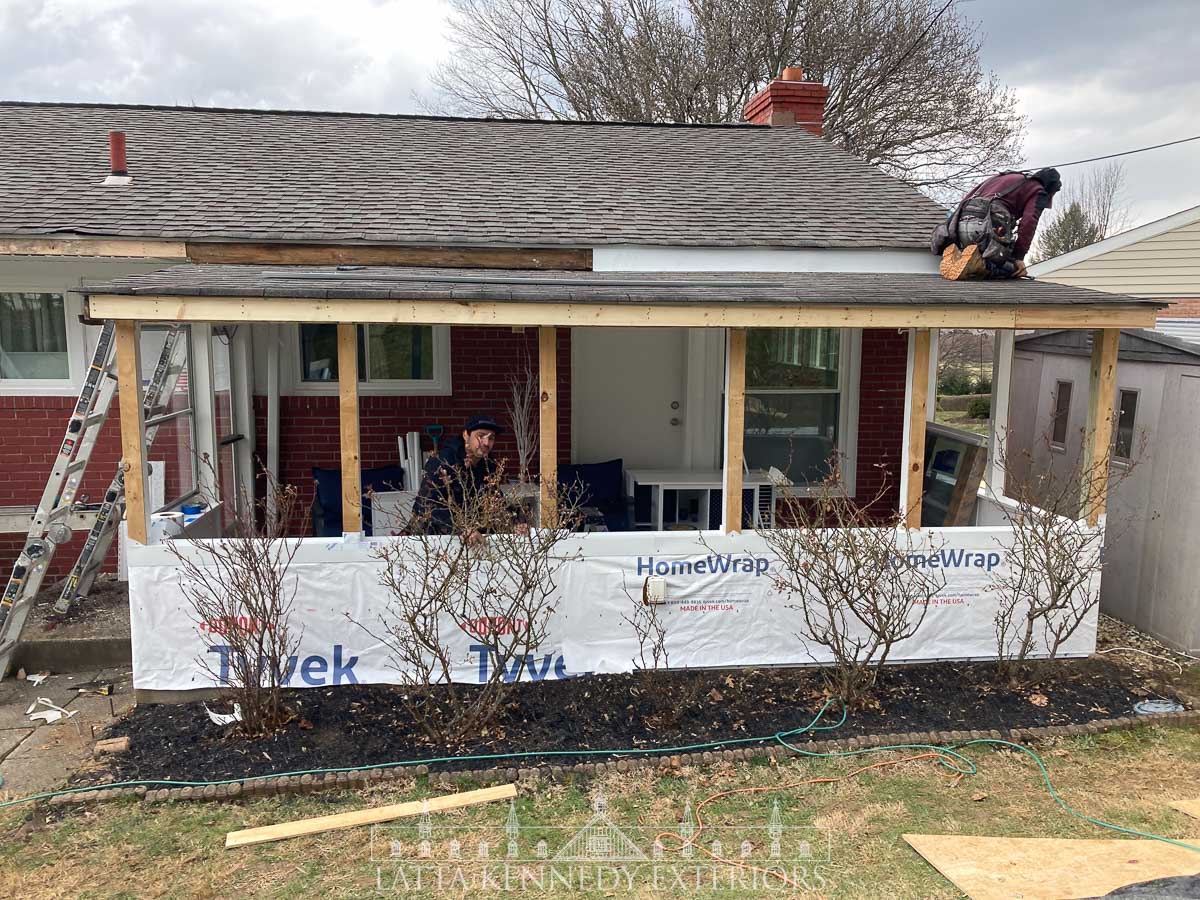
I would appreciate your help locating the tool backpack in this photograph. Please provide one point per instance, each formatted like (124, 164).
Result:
(982, 220)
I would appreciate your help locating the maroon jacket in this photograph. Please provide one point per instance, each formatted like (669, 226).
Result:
(1025, 203)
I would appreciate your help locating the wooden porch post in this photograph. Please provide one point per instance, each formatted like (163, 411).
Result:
(133, 441)
(348, 415)
(735, 428)
(1101, 399)
(914, 463)
(548, 422)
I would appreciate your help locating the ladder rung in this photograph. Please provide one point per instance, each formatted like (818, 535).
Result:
(166, 417)
(97, 419)
(76, 466)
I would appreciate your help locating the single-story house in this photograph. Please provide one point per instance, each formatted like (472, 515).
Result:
(692, 300)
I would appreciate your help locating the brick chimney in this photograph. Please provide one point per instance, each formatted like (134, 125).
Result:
(789, 100)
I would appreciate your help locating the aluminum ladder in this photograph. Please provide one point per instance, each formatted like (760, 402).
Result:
(49, 527)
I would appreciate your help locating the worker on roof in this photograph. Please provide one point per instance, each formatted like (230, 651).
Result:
(990, 231)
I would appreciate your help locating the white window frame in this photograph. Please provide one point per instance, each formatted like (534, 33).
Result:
(77, 347)
(1137, 407)
(848, 388)
(292, 359)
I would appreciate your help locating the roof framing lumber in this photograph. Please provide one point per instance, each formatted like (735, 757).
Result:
(96, 247)
(249, 253)
(735, 314)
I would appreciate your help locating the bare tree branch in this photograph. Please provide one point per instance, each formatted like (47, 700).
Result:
(906, 92)
(1090, 209)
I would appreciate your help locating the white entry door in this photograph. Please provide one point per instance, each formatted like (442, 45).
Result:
(627, 395)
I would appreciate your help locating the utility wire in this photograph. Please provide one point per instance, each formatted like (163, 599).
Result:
(1078, 162)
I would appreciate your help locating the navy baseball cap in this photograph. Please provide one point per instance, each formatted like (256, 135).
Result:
(484, 423)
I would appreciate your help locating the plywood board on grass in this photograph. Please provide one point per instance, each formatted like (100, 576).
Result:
(997, 868)
(1191, 807)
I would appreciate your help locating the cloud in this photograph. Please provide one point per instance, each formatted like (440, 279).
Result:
(363, 55)
(1103, 76)
(1093, 76)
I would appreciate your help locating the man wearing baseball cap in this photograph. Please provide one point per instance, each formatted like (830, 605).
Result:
(462, 467)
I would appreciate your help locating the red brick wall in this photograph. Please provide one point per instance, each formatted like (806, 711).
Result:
(881, 415)
(480, 362)
(33, 430)
(1185, 308)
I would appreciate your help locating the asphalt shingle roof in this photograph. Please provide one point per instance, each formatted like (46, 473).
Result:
(301, 176)
(387, 283)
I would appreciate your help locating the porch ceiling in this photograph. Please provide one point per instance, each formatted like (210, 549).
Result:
(473, 296)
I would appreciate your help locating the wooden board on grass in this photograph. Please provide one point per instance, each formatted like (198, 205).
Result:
(997, 868)
(367, 816)
(1191, 807)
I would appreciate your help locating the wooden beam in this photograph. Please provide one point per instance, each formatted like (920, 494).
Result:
(915, 452)
(265, 254)
(735, 429)
(359, 817)
(106, 247)
(348, 415)
(548, 423)
(133, 429)
(1102, 389)
(699, 315)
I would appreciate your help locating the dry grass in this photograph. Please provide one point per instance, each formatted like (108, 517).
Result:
(127, 849)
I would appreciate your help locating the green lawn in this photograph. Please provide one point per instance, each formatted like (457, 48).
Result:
(128, 849)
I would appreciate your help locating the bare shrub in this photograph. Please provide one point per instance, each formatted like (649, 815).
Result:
(651, 631)
(241, 595)
(857, 577)
(1051, 583)
(493, 578)
(522, 407)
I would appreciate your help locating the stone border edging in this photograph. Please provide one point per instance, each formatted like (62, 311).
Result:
(271, 786)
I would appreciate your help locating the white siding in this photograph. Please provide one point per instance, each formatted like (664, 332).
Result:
(1184, 329)
(1166, 265)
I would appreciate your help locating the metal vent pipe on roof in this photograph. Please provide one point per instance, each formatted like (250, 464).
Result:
(116, 155)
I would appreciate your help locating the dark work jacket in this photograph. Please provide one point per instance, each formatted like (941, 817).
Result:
(1026, 203)
(447, 479)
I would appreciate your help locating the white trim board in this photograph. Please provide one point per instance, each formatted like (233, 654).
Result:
(1118, 241)
(644, 258)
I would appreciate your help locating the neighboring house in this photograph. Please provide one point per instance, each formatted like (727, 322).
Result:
(1160, 259)
(1155, 512)
(707, 300)
(1154, 509)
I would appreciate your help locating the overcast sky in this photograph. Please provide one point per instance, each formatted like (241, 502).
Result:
(1092, 76)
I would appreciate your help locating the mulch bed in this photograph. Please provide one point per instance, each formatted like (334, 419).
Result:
(365, 725)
